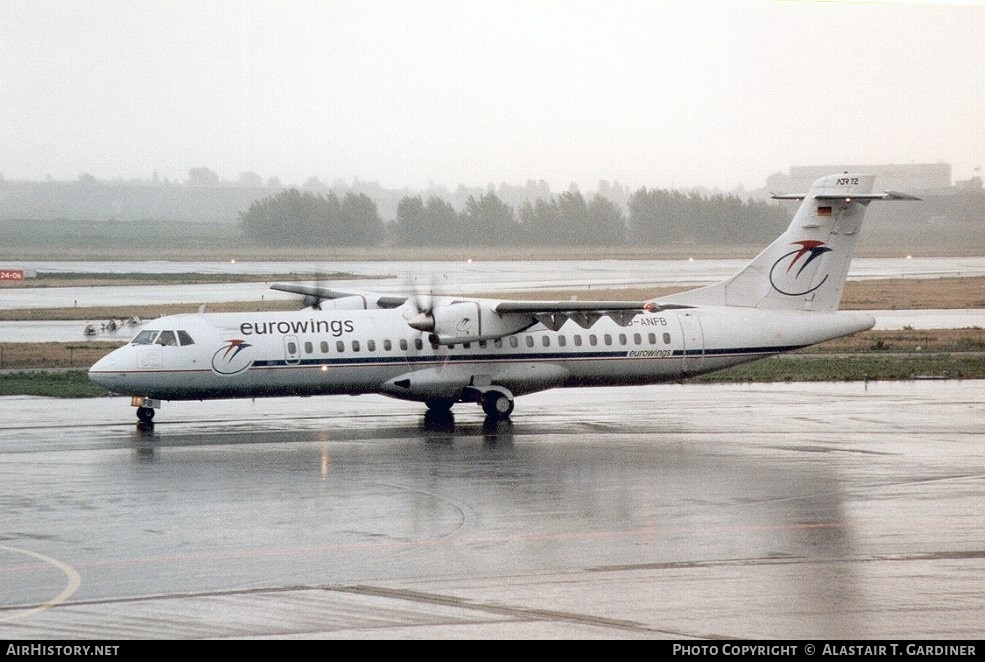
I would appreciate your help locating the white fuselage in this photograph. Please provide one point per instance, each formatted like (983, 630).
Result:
(312, 352)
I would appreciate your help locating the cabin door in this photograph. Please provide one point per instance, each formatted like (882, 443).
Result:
(694, 343)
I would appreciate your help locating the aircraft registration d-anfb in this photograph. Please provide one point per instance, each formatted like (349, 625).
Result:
(444, 350)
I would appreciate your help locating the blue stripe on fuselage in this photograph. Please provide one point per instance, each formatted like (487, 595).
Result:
(387, 358)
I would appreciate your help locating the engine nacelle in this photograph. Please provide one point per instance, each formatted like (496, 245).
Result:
(470, 321)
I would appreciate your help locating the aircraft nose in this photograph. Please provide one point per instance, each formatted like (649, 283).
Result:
(100, 366)
(102, 371)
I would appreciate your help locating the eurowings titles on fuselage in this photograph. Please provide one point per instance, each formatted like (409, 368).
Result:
(335, 327)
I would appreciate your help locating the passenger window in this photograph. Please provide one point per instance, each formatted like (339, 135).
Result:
(167, 338)
(403, 344)
(145, 338)
(666, 338)
(324, 347)
(371, 345)
(622, 338)
(592, 340)
(292, 349)
(562, 341)
(577, 341)
(466, 345)
(514, 342)
(355, 345)
(652, 337)
(530, 341)
(387, 345)
(308, 348)
(483, 344)
(185, 338)
(498, 343)
(546, 341)
(637, 340)
(608, 339)
(339, 345)
(418, 344)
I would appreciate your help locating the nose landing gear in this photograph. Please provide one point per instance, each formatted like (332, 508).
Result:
(145, 408)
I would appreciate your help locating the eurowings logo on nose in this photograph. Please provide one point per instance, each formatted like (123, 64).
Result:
(796, 282)
(230, 359)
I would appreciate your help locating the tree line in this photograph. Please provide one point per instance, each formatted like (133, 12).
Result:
(655, 217)
(293, 218)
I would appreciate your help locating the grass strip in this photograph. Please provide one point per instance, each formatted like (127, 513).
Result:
(852, 368)
(61, 384)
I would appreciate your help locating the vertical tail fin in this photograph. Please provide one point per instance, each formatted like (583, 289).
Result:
(806, 267)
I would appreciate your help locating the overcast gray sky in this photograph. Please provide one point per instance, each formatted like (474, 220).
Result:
(409, 92)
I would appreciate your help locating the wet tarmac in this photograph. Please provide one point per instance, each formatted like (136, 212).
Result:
(833, 511)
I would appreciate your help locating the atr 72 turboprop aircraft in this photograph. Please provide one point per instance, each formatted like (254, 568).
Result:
(442, 350)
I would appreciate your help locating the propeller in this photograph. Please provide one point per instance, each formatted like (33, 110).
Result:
(420, 312)
(420, 306)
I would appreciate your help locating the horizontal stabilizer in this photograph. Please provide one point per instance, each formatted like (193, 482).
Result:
(885, 195)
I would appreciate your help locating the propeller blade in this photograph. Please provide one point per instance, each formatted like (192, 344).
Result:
(420, 316)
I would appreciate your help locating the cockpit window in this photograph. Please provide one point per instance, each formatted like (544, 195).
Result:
(145, 337)
(167, 338)
(149, 337)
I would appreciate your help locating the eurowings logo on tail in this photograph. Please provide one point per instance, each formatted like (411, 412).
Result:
(230, 359)
(796, 279)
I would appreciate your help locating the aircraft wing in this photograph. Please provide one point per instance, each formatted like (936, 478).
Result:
(504, 307)
(326, 294)
(510, 316)
(553, 314)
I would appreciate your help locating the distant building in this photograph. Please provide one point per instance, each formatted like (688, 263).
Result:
(973, 185)
(913, 178)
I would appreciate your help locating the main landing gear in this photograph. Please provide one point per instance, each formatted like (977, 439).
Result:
(496, 401)
(496, 404)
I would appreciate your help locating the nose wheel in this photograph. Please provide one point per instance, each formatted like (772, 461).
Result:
(145, 414)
